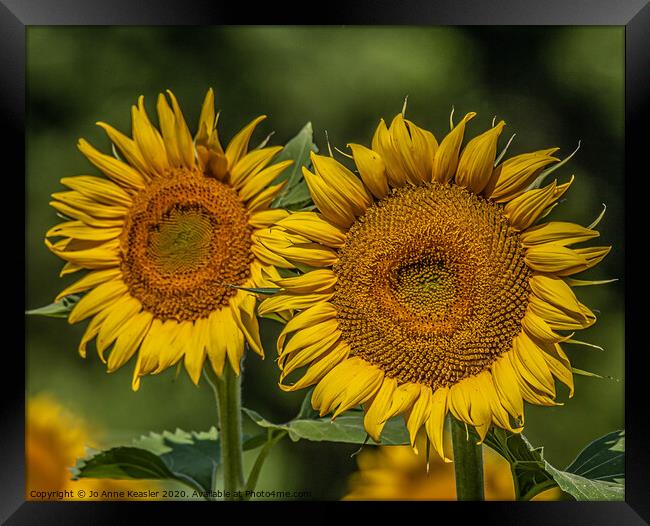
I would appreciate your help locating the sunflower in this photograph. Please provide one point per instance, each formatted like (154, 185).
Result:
(167, 238)
(429, 287)
(398, 473)
(54, 439)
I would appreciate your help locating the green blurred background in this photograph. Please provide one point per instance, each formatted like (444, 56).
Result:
(552, 86)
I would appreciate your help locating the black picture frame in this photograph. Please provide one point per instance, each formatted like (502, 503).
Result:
(16, 15)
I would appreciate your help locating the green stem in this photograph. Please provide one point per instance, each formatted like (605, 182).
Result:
(253, 476)
(228, 392)
(468, 463)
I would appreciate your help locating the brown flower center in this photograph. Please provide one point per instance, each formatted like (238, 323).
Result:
(186, 239)
(432, 285)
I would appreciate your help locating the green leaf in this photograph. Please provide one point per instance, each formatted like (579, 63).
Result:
(189, 458)
(295, 194)
(122, 463)
(596, 474)
(603, 459)
(306, 410)
(59, 309)
(346, 428)
(582, 488)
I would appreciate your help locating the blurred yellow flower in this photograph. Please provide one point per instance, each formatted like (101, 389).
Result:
(398, 473)
(54, 439)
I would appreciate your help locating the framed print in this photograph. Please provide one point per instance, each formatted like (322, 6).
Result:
(386, 257)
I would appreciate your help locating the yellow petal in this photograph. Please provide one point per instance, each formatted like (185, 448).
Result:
(75, 213)
(97, 299)
(360, 388)
(342, 185)
(557, 293)
(524, 210)
(195, 351)
(329, 203)
(537, 328)
(267, 218)
(183, 136)
(528, 360)
(289, 362)
(535, 396)
(90, 280)
(331, 388)
(310, 335)
(591, 255)
(173, 337)
(435, 424)
(79, 230)
(445, 160)
(128, 147)
(477, 160)
(419, 413)
(371, 169)
(424, 146)
(129, 339)
(239, 144)
(206, 134)
(259, 181)
(251, 164)
(514, 175)
(382, 144)
(311, 254)
(148, 139)
(154, 341)
(553, 259)
(216, 344)
(244, 316)
(125, 176)
(318, 369)
(500, 416)
(262, 200)
(558, 364)
(120, 312)
(105, 255)
(556, 232)
(99, 190)
(375, 416)
(413, 149)
(168, 129)
(313, 226)
(459, 402)
(321, 280)
(403, 399)
(269, 257)
(91, 331)
(558, 319)
(479, 408)
(281, 302)
(89, 206)
(69, 268)
(507, 386)
(313, 315)
(234, 343)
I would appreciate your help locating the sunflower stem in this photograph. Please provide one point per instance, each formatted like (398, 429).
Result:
(468, 462)
(228, 393)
